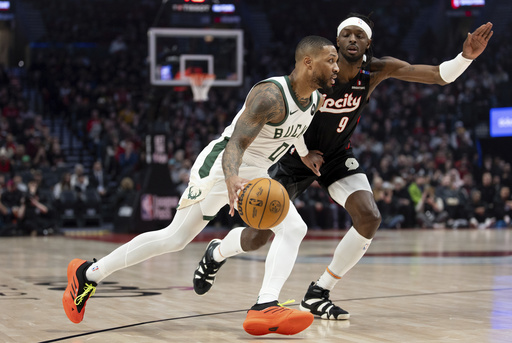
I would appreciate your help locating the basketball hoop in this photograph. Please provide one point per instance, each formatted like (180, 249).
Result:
(200, 84)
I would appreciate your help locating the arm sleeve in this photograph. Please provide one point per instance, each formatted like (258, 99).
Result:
(300, 146)
(452, 69)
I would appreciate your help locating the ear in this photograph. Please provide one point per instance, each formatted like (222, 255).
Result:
(308, 62)
(369, 43)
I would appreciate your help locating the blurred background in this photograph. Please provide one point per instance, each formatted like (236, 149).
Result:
(99, 126)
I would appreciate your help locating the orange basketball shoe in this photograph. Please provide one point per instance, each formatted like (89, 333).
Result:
(273, 317)
(78, 290)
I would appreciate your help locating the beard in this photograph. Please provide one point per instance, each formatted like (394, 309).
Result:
(327, 89)
(324, 85)
(351, 58)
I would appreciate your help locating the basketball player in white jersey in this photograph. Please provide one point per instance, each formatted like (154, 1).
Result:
(275, 115)
(330, 132)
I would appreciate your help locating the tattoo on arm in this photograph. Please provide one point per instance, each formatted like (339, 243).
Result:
(264, 104)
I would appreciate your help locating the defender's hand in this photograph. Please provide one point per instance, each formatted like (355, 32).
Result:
(314, 161)
(476, 42)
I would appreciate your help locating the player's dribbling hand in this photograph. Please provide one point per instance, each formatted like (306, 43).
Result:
(314, 160)
(234, 184)
(476, 42)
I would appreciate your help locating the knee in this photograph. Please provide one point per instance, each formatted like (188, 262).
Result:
(367, 221)
(167, 240)
(253, 239)
(177, 244)
(294, 231)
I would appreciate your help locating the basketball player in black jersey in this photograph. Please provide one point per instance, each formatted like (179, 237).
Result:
(328, 139)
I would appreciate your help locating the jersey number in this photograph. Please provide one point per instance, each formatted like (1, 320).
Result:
(342, 125)
(282, 148)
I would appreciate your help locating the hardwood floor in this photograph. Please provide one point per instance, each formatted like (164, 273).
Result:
(411, 286)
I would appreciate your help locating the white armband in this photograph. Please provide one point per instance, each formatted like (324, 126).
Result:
(452, 69)
(300, 146)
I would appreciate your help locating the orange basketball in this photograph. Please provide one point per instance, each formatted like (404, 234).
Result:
(263, 203)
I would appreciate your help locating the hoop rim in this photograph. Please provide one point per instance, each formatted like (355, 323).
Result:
(200, 83)
(198, 79)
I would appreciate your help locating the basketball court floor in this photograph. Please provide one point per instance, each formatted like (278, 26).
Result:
(412, 286)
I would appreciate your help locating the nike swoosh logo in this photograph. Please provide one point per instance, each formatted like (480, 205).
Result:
(293, 112)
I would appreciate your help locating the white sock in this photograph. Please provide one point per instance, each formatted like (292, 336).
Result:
(231, 245)
(348, 252)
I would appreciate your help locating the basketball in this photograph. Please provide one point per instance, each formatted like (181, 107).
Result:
(263, 203)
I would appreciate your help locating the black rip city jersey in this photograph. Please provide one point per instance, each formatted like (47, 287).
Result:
(337, 119)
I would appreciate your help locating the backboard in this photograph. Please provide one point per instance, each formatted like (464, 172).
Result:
(176, 52)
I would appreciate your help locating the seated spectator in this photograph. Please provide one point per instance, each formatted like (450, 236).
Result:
(11, 202)
(33, 212)
(416, 187)
(404, 201)
(453, 202)
(128, 159)
(124, 197)
(430, 210)
(388, 207)
(81, 184)
(480, 215)
(488, 192)
(503, 208)
(55, 156)
(111, 155)
(98, 179)
(79, 181)
(63, 184)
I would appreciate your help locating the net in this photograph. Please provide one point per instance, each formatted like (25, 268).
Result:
(200, 84)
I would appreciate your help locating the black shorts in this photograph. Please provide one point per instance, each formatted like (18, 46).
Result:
(296, 177)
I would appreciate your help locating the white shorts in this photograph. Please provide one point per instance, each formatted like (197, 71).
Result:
(342, 189)
(207, 183)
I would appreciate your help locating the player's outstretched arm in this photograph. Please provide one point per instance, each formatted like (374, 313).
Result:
(446, 72)
(264, 104)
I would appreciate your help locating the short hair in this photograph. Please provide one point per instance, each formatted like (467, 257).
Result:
(310, 45)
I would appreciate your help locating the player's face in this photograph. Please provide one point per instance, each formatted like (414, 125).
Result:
(326, 68)
(353, 42)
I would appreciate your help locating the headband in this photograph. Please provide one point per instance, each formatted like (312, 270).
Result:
(356, 22)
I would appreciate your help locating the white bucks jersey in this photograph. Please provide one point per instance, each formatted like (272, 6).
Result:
(275, 139)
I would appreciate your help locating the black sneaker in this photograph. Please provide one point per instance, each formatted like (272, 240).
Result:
(204, 276)
(317, 302)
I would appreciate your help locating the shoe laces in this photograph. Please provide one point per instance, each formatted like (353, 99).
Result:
(289, 301)
(211, 267)
(88, 288)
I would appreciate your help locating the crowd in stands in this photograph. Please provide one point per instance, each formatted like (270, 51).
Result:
(418, 143)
